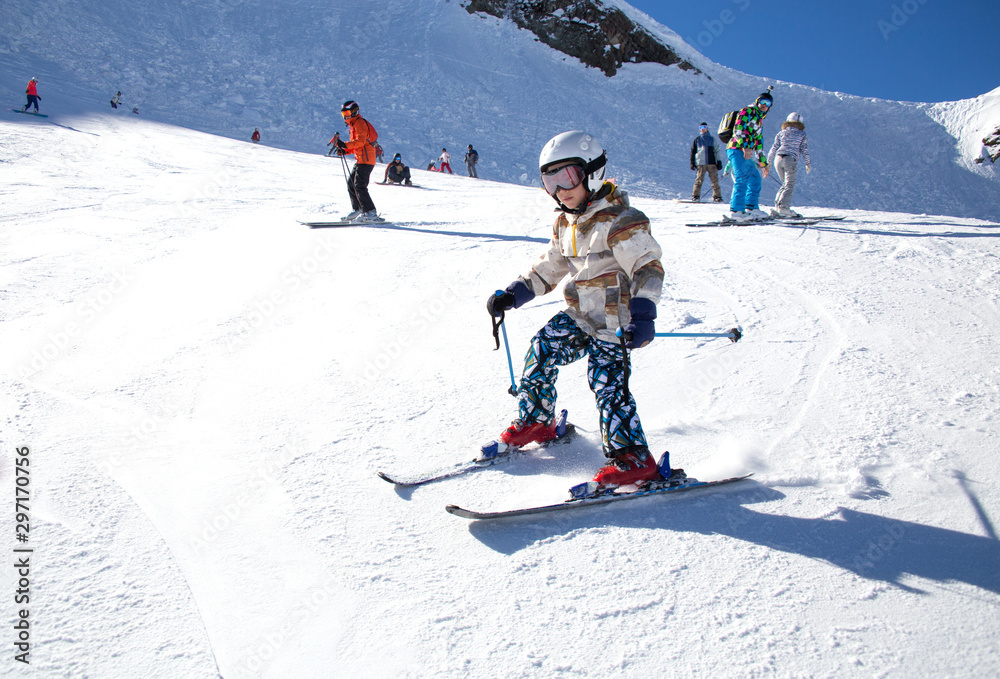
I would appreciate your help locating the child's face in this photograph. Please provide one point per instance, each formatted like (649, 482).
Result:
(572, 198)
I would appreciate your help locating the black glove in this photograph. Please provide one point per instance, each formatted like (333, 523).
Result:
(515, 296)
(694, 168)
(718, 164)
(499, 302)
(640, 330)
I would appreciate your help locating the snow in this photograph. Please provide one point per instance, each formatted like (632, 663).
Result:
(207, 387)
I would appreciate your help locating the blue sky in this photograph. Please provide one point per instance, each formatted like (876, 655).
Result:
(909, 50)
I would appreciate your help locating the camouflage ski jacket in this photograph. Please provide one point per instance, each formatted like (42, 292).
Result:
(610, 256)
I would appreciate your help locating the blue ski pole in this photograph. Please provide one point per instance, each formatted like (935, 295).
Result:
(510, 364)
(734, 334)
(498, 324)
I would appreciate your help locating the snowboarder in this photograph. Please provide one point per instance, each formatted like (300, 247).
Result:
(445, 160)
(397, 172)
(32, 93)
(255, 137)
(703, 159)
(471, 158)
(117, 99)
(361, 145)
(615, 279)
(745, 144)
(789, 144)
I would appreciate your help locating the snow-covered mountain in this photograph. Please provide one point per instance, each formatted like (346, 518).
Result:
(431, 75)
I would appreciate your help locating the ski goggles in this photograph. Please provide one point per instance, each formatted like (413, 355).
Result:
(765, 102)
(568, 177)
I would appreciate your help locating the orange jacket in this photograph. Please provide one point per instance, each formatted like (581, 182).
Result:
(32, 88)
(363, 135)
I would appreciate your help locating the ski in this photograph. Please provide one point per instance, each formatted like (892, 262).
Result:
(30, 113)
(654, 488)
(806, 221)
(490, 457)
(343, 222)
(824, 218)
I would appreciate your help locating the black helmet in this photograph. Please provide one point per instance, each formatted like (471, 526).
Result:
(349, 107)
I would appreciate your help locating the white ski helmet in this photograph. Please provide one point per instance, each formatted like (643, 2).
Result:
(579, 146)
(794, 117)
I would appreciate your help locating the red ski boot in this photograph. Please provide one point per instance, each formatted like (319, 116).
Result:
(519, 434)
(632, 466)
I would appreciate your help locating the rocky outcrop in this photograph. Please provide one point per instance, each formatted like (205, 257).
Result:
(599, 36)
(992, 144)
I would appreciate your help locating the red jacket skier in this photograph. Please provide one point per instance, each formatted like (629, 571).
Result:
(32, 93)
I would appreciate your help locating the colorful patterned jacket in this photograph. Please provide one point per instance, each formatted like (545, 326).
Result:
(748, 132)
(610, 256)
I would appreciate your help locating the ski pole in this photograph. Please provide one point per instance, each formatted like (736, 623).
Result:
(734, 334)
(625, 366)
(498, 324)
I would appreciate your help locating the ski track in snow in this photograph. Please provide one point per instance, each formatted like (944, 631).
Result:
(208, 389)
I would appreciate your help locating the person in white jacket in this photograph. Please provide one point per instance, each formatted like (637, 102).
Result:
(790, 144)
(445, 160)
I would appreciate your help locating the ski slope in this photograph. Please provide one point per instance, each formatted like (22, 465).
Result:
(429, 75)
(207, 390)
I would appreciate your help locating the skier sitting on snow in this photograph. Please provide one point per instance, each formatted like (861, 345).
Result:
(396, 172)
(615, 278)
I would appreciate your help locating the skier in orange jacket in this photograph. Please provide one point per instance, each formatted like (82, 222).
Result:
(362, 145)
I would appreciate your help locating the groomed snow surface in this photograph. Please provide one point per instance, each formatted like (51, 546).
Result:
(208, 388)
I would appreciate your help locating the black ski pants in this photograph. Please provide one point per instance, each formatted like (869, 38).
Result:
(357, 187)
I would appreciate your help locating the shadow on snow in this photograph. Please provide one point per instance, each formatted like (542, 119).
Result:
(871, 546)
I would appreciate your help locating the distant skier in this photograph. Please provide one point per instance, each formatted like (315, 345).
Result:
(255, 137)
(789, 145)
(135, 110)
(117, 99)
(741, 150)
(378, 152)
(471, 158)
(703, 159)
(32, 94)
(445, 160)
(615, 276)
(361, 145)
(397, 172)
(334, 144)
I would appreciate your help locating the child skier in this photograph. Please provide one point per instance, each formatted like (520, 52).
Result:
(741, 150)
(445, 160)
(361, 142)
(789, 144)
(615, 279)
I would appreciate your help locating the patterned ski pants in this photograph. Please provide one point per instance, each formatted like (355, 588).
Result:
(561, 342)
